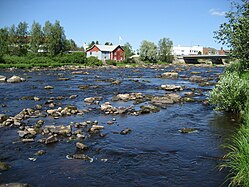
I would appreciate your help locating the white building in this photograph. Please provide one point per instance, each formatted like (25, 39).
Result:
(182, 51)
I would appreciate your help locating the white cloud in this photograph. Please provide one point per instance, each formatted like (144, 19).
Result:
(217, 12)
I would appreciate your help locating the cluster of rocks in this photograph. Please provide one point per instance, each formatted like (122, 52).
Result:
(128, 96)
(13, 79)
(67, 111)
(17, 119)
(109, 109)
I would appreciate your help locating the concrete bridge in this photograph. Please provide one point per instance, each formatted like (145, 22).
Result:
(216, 59)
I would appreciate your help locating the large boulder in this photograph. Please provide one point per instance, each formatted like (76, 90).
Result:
(15, 79)
(162, 101)
(2, 78)
(172, 75)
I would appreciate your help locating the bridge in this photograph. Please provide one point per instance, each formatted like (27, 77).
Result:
(216, 59)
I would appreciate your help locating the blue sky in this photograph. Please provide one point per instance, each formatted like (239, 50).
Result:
(185, 22)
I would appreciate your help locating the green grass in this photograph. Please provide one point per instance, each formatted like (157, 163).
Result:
(239, 155)
(245, 75)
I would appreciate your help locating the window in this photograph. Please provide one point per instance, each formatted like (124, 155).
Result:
(91, 53)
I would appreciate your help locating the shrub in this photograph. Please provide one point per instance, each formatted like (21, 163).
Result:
(231, 93)
(111, 62)
(72, 58)
(94, 61)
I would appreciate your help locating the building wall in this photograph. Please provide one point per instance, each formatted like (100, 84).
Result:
(105, 55)
(182, 51)
(94, 52)
(118, 54)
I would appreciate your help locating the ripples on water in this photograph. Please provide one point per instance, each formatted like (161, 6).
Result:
(153, 154)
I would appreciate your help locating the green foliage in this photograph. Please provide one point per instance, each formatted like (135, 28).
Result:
(127, 50)
(3, 41)
(235, 33)
(231, 93)
(72, 58)
(130, 61)
(148, 51)
(36, 38)
(165, 46)
(22, 38)
(94, 61)
(111, 62)
(239, 155)
(70, 45)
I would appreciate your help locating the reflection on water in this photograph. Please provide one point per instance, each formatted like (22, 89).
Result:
(155, 153)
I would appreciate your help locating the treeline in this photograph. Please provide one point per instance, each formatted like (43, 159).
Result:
(24, 47)
(49, 39)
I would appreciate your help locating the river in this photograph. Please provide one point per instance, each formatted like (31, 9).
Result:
(154, 153)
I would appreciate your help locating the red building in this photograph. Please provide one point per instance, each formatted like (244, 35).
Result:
(106, 52)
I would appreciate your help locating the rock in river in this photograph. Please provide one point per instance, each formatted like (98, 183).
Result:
(125, 131)
(15, 185)
(171, 87)
(3, 118)
(48, 87)
(166, 99)
(81, 146)
(2, 78)
(15, 79)
(4, 166)
(173, 75)
(51, 139)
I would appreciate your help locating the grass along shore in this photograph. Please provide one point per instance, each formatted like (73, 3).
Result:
(234, 96)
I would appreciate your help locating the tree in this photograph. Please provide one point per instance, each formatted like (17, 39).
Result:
(4, 34)
(37, 37)
(128, 50)
(148, 51)
(55, 38)
(235, 32)
(22, 38)
(91, 44)
(165, 46)
(70, 45)
(108, 43)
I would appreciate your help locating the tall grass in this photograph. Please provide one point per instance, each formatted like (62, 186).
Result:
(239, 155)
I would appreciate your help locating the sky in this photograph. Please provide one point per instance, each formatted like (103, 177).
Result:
(185, 22)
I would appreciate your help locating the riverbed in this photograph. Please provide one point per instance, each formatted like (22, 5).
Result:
(154, 152)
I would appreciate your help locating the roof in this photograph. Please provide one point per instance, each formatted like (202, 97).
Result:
(108, 48)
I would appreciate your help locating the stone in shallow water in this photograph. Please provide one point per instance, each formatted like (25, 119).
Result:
(81, 146)
(4, 166)
(15, 185)
(188, 130)
(48, 87)
(125, 131)
(173, 75)
(2, 78)
(15, 79)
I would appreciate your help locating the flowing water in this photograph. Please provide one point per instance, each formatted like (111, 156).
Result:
(155, 153)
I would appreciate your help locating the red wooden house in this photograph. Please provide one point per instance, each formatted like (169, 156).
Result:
(106, 52)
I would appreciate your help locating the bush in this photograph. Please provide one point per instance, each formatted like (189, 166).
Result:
(231, 93)
(71, 58)
(94, 61)
(111, 62)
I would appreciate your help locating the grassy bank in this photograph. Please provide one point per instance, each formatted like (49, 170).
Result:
(31, 60)
(232, 94)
